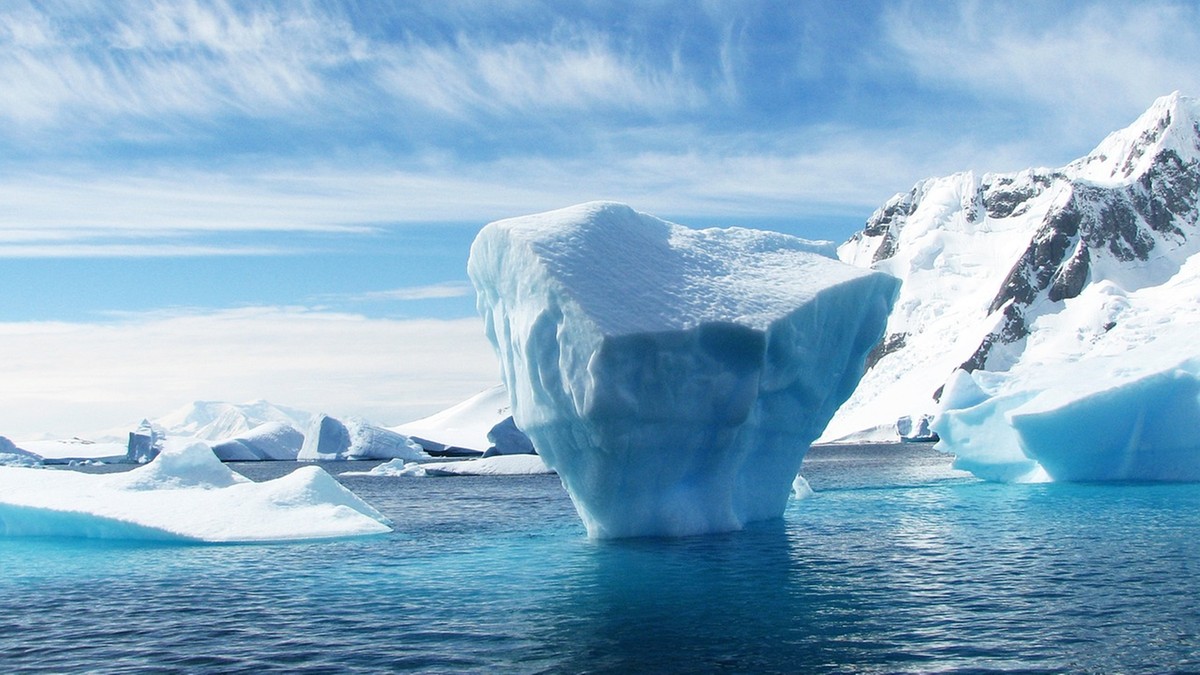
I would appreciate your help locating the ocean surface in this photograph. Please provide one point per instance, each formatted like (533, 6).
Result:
(897, 563)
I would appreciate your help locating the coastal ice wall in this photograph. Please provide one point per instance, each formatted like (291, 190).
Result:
(674, 378)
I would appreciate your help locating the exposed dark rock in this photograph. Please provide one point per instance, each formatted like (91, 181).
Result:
(1071, 277)
(1036, 268)
(892, 343)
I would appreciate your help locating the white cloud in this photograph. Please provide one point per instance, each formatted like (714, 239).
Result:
(154, 58)
(150, 250)
(577, 73)
(69, 378)
(826, 170)
(449, 289)
(1091, 66)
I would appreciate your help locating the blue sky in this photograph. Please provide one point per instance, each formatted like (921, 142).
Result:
(300, 170)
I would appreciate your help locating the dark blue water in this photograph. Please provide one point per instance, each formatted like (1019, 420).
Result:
(897, 564)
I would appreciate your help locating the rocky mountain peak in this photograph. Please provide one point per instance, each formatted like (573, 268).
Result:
(1171, 125)
(1008, 269)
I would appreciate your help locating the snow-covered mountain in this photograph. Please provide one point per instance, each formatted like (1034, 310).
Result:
(219, 421)
(1008, 272)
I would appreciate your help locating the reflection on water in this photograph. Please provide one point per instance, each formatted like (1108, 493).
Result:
(896, 563)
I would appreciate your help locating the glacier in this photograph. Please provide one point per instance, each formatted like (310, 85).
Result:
(184, 494)
(674, 378)
(329, 439)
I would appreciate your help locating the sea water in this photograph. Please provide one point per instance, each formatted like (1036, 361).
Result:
(897, 563)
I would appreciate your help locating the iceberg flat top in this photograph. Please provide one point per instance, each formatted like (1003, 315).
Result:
(185, 494)
(633, 273)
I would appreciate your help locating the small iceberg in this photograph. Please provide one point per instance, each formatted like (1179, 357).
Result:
(184, 494)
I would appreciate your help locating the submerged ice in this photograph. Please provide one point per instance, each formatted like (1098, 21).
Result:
(674, 378)
(186, 494)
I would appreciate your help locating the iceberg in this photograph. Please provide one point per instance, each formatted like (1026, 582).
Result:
(145, 443)
(507, 439)
(462, 429)
(184, 494)
(11, 455)
(674, 378)
(1130, 417)
(330, 439)
(270, 441)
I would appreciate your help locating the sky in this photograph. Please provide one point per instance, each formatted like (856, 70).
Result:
(275, 200)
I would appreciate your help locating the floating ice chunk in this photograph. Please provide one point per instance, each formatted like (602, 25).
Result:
(507, 439)
(463, 428)
(496, 465)
(673, 377)
(11, 455)
(183, 494)
(1133, 417)
(329, 439)
(396, 467)
(270, 441)
(800, 488)
(145, 443)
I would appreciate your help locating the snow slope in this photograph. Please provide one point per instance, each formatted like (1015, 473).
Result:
(219, 420)
(1018, 271)
(465, 425)
(674, 378)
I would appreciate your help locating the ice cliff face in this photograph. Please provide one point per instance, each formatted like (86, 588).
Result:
(674, 378)
(1004, 272)
(330, 439)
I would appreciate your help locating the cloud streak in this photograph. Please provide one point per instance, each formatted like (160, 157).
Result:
(68, 378)
(1090, 66)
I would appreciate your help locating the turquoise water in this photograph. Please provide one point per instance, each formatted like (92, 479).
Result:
(896, 564)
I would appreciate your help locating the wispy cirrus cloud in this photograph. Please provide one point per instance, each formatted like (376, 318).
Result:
(440, 291)
(581, 73)
(149, 250)
(145, 58)
(1082, 68)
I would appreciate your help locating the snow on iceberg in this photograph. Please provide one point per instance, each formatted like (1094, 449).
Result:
(270, 441)
(674, 378)
(330, 439)
(464, 428)
(1129, 417)
(184, 494)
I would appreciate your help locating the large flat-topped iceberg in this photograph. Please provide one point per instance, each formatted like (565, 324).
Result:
(184, 494)
(674, 378)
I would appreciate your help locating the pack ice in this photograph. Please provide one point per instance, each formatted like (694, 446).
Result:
(674, 378)
(184, 494)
